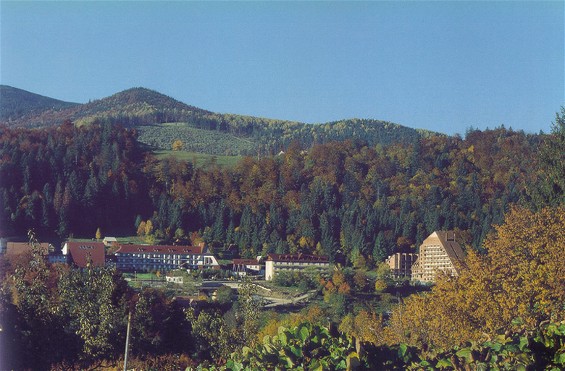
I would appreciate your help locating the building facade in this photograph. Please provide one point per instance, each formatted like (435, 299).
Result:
(439, 252)
(401, 264)
(293, 262)
(245, 267)
(82, 254)
(152, 258)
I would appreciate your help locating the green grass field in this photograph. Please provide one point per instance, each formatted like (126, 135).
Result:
(143, 276)
(200, 159)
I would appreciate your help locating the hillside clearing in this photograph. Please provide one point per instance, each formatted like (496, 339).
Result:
(194, 139)
(200, 159)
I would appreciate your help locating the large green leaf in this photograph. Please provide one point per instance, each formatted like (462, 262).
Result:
(297, 351)
(444, 363)
(304, 333)
(282, 338)
(287, 361)
(560, 359)
(402, 350)
(464, 353)
(316, 365)
(523, 342)
(233, 365)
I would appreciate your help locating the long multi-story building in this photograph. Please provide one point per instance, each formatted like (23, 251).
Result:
(293, 262)
(438, 252)
(151, 258)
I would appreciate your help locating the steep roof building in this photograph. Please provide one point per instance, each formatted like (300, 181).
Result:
(84, 253)
(438, 252)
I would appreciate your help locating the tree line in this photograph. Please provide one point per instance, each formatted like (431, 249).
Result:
(347, 199)
(504, 310)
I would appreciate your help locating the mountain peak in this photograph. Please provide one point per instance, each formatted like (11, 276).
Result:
(15, 103)
(135, 99)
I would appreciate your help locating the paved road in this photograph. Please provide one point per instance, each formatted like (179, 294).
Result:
(275, 302)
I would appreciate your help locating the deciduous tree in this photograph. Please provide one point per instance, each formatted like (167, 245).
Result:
(521, 276)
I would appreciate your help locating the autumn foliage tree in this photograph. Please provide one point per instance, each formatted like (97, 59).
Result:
(178, 145)
(521, 279)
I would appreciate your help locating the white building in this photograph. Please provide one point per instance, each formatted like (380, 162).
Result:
(244, 267)
(293, 262)
(151, 258)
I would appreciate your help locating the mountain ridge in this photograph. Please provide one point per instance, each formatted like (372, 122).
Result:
(16, 103)
(148, 110)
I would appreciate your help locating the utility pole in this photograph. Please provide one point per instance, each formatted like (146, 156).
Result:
(127, 342)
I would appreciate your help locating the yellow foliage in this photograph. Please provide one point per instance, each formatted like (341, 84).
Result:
(314, 314)
(380, 285)
(178, 145)
(148, 227)
(365, 326)
(521, 276)
(338, 278)
(305, 242)
(141, 229)
(271, 328)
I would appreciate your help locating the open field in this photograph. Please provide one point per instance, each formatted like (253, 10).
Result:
(200, 159)
(162, 136)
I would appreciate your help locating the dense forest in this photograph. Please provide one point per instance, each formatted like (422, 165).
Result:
(504, 311)
(66, 179)
(503, 191)
(344, 199)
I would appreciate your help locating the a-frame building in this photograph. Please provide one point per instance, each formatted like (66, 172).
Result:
(438, 252)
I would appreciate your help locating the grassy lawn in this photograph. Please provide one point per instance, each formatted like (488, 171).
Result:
(143, 276)
(200, 159)
(137, 240)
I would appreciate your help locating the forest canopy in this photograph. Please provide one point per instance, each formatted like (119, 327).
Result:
(500, 190)
(343, 199)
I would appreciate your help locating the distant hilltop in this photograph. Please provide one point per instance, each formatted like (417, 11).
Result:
(152, 114)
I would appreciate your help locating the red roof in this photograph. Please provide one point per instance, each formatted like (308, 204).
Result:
(14, 248)
(298, 258)
(82, 252)
(160, 249)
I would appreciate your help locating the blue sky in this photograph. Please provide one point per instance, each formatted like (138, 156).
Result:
(443, 66)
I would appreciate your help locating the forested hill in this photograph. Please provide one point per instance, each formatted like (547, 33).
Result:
(17, 104)
(340, 197)
(148, 110)
(136, 106)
